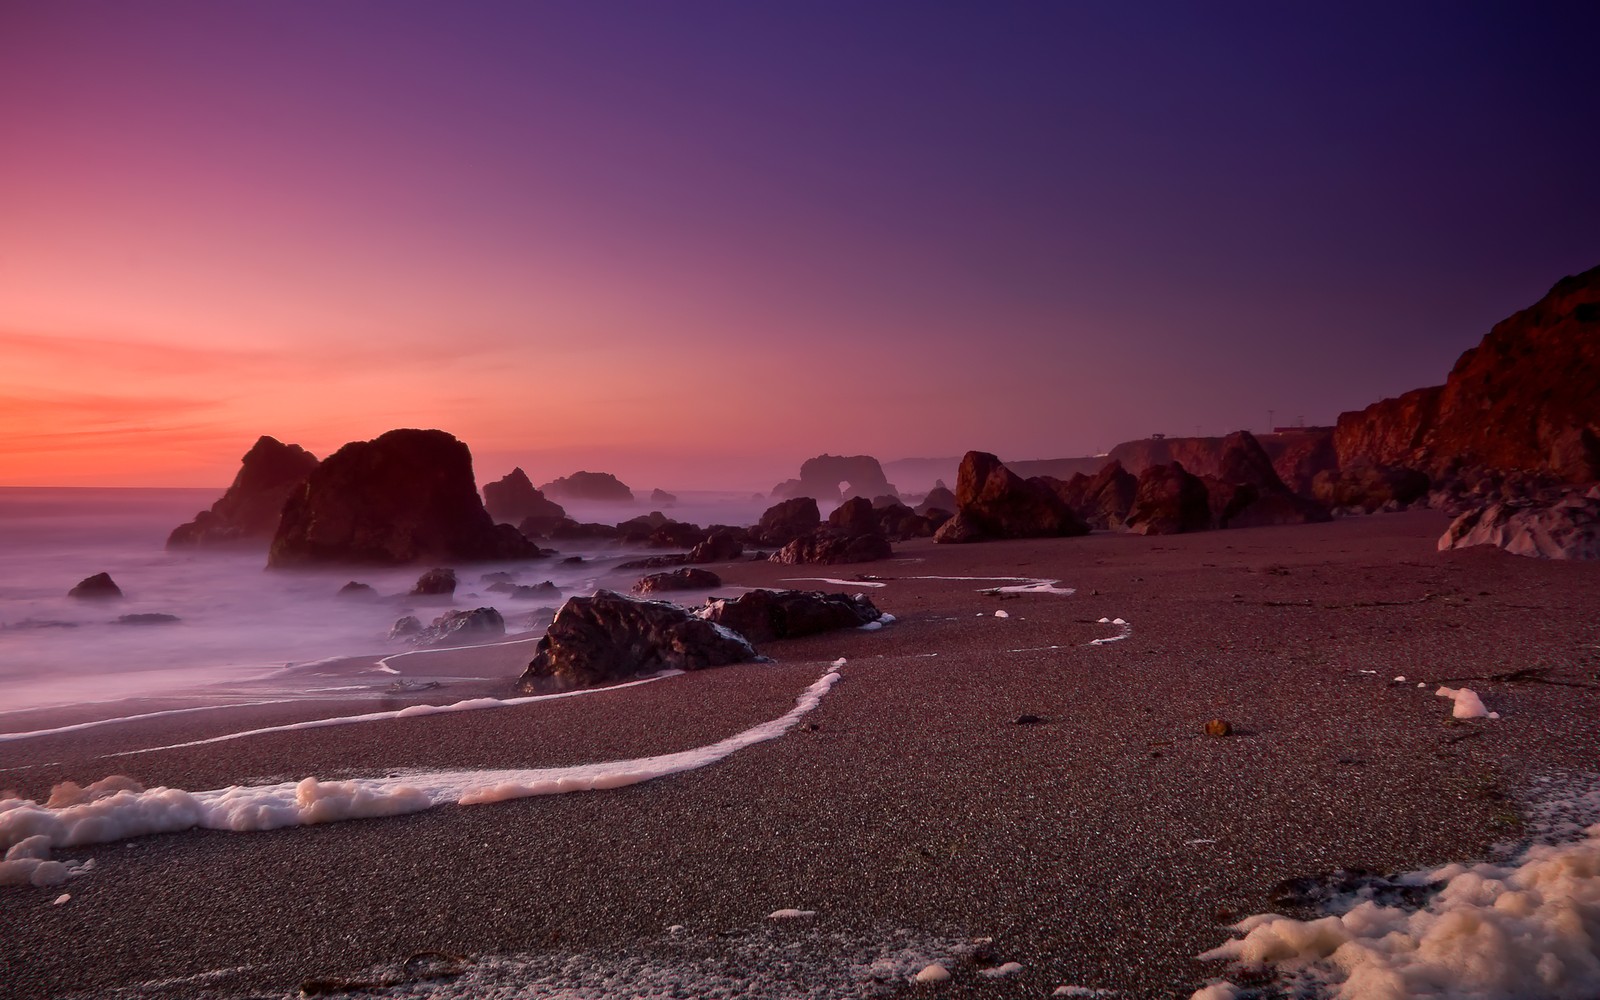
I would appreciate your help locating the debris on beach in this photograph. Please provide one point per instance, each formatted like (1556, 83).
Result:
(791, 914)
(933, 973)
(1002, 613)
(1219, 727)
(1467, 704)
(1001, 971)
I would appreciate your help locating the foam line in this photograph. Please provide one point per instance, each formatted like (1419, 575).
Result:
(410, 712)
(78, 726)
(836, 583)
(116, 809)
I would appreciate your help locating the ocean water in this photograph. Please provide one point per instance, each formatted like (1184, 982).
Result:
(240, 625)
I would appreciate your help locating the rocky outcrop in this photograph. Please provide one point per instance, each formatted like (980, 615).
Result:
(611, 637)
(938, 498)
(992, 502)
(1169, 501)
(601, 486)
(720, 545)
(663, 498)
(683, 579)
(765, 615)
(1523, 399)
(1299, 455)
(514, 499)
(830, 547)
(897, 521)
(1370, 488)
(1102, 500)
(250, 509)
(458, 628)
(1247, 493)
(406, 496)
(1566, 529)
(782, 523)
(439, 582)
(99, 587)
(821, 477)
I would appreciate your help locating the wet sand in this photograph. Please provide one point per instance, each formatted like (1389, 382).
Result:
(1103, 847)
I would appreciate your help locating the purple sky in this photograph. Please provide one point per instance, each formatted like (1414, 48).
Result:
(695, 243)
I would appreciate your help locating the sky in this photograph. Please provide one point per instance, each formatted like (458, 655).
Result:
(694, 243)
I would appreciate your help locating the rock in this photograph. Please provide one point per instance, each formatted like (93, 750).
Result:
(610, 637)
(1369, 487)
(1299, 454)
(1277, 508)
(250, 509)
(662, 497)
(1219, 727)
(959, 529)
(683, 579)
(99, 587)
(820, 478)
(782, 523)
(439, 582)
(568, 528)
(1524, 398)
(720, 545)
(827, 548)
(993, 502)
(477, 625)
(595, 486)
(518, 592)
(938, 498)
(1169, 501)
(514, 500)
(1248, 493)
(148, 618)
(1566, 529)
(897, 521)
(354, 589)
(854, 517)
(404, 627)
(1104, 499)
(406, 496)
(764, 615)
(1028, 720)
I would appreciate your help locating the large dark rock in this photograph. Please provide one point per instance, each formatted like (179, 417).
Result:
(994, 502)
(720, 545)
(820, 478)
(514, 499)
(1524, 399)
(765, 615)
(1169, 501)
(461, 627)
(250, 509)
(610, 637)
(1566, 529)
(938, 498)
(854, 517)
(897, 521)
(406, 496)
(828, 547)
(589, 486)
(1370, 487)
(99, 587)
(782, 523)
(1248, 493)
(683, 579)
(438, 582)
(1104, 499)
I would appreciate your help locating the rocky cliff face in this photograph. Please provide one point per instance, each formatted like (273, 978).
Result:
(250, 508)
(405, 496)
(1526, 398)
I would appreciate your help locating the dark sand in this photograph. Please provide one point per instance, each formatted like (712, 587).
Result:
(916, 802)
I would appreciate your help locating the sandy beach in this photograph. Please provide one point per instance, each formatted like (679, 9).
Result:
(1103, 847)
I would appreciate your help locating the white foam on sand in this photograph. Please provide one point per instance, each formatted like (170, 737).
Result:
(1124, 630)
(1528, 928)
(79, 726)
(1467, 704)
(834, 582)
(117, 808)
(410, 712)
(1014, 584)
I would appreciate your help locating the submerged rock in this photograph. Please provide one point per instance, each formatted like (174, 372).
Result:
(611, 637)
(764, 615)
(438, 582)
(354, 589)
(408, 626)
(99, 587)
(147, 618)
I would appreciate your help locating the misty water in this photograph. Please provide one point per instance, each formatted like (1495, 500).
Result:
(242, 630)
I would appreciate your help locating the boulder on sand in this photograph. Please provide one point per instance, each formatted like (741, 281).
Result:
(406, 496)
(993, 502)
(783, 522)
(683, 579)
(252, 505)
(1169, 501)
(1566, 529)
(764, 615)
(611, 637)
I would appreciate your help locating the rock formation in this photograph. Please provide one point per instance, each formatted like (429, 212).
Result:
(1104, 499)
(783, 522)
(602, 486)
(610, 637)
(765, 615)
(820, 478)
(1169, 501)
(938, 498)
(1566, 529)
(514, 499)
(438, 582)
(405, 496)
(1524, 399)
(459, 628)
(993, 502)
(663, 498)
(683, 579)
(827, 547)
(99, 587)
(250, 508)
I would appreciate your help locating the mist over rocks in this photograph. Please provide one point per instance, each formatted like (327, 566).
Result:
(250, 508)
(992, 502)
(601, 486)
(99, 587)
(513, 498)
(406, 496)
(611, 637)
(820, 478)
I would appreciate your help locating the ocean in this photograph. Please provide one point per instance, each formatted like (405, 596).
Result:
(239, 626)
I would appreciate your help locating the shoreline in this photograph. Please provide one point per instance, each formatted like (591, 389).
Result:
(1098, 848)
